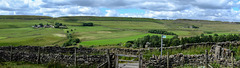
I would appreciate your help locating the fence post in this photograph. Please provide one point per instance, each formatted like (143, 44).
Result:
(206, 59)
(167, 60)
(11, 53)
(108, 59)
(140, 60)
(75, 58)
(232, 60)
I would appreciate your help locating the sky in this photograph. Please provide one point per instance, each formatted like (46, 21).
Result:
(215, 10)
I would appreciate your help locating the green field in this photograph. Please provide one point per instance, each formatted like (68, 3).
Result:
(17, 30)
(20, 65)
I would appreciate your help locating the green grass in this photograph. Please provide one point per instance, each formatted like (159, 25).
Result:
(17, 30)
(129, 25)
(20, 65)
(30, 36)
(3, 37)
(18, 23)
(117, 40)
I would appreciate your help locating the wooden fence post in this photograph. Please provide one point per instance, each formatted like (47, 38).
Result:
(116, 61)
(140, 60)
(232, 60)
(108, 59)
(167, 60)
(206, 59)
(75, 56)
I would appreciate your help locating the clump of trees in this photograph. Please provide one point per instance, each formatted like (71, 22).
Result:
(155, 40)
(71, 40)
(161, 32)
(87, 24)
(60, 25)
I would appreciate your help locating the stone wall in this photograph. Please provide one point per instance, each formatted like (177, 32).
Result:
(185, 46)
(46, 58)
(36, 54)
(50, 49)
(188, 45)
(217, 54)
(44, 55)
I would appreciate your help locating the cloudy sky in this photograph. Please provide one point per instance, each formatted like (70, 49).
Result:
(220, 10)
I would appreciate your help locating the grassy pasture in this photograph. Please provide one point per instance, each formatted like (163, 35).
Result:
(18, 23)
(20, 65)
(30, 36)
(116, 40)
(17, 30)
(129, 24)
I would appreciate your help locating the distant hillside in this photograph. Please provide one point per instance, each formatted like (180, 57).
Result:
(26, 17)
(94, 18)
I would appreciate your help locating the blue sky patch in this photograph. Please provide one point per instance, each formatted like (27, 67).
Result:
(123, 11)
(235, 8)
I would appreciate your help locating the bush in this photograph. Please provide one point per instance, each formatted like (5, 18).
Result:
(128, 44)
(77, 40)
(80, 46)
(71, 41)
(155, 40)
(87, 24)
(41, 25)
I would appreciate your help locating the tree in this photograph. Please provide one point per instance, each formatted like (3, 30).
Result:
(41, 25)
(175, 42)
(77, 40)
(35, 25)
(215, 34)
(202, 35)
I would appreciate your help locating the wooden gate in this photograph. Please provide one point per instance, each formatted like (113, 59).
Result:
(136, 64)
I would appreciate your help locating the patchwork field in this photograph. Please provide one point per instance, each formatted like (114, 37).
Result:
(106, 30)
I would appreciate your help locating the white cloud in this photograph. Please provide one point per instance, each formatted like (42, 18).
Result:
(161, 9)
(111, 13)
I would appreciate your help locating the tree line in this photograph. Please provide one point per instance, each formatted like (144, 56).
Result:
(161, 32)
(155, 40)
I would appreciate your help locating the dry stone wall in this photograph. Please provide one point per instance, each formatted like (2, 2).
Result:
(217, 54)
(36, 54)
(44, 55)
(50, 49)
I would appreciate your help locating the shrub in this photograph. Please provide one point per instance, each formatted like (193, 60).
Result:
(71, 41)
(80, 46)
(155, 40)
(87, 24)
